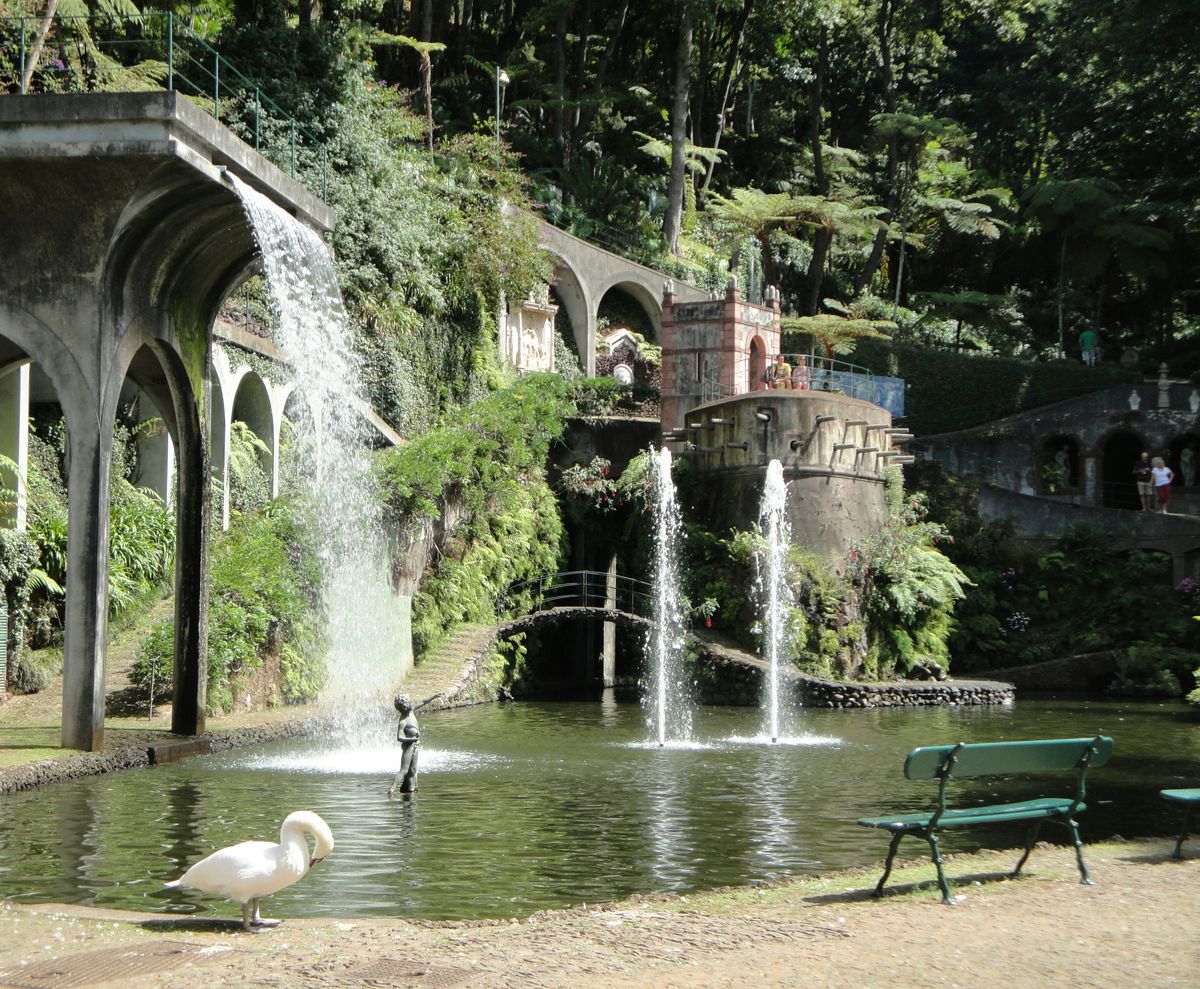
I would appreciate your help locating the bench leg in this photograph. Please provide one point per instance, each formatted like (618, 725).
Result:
(1030, 840)
(1187, 815)
(937, 861)
(887, 869)
(1083, 872)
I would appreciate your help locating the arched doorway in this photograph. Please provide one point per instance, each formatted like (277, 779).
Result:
(758, 364)
(1121, 452)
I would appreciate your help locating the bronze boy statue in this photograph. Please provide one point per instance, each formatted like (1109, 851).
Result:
(409, 737)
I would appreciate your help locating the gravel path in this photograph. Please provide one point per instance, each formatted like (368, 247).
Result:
(1137, 927)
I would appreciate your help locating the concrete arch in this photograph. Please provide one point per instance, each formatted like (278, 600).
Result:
(583, 274)
(144, 237)
(573, 294)
(639, 288)
(14, 444)
(158, 369)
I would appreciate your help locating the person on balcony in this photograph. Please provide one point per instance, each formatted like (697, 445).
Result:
(800, 374)
(782, 375)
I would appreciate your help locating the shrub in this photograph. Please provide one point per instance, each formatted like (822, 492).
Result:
(263, 596)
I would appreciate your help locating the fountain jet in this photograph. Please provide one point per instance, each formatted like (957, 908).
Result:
(667, 699)
(774, 592)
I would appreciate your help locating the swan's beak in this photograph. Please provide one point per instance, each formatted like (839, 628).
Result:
(312, 862)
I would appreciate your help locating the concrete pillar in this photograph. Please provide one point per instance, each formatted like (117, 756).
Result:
(608, 649)
(1089, 480)
(85, 627)
(14, 440)
(156, 457)
(278, 395)
(192, 507)
(222, 417)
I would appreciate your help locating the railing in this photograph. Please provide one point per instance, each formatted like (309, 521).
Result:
(151, 51)
(577, 589)
(804, 372)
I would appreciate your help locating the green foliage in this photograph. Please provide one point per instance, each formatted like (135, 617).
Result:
(249, 482)
(1154, 670)
(141, 544)
(485, 469)
(262, 607)
(424, 247)
(1081, 595)
(909, 587)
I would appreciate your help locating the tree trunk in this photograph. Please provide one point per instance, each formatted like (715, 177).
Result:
(426, 29)
(584, 123)
(585, 30)
(735, 47)
(427, 91)
(39, 41)
(560, 80)
(883, 25)
(824, 236)
(673, 219)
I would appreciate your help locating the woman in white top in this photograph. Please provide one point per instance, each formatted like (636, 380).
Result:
(1163, 476)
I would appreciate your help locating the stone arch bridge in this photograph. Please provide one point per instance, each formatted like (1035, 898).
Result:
(585, 273)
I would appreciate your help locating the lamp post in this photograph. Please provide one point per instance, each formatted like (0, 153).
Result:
(501, 82)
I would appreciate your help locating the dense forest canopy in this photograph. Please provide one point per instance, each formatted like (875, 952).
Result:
(992, 173)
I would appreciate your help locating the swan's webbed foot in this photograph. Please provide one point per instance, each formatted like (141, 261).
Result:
(254, 924)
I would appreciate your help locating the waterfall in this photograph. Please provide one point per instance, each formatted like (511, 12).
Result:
(775, 594)
(360, 608)
(668, 698)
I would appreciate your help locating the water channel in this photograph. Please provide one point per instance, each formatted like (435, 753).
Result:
(532, 805)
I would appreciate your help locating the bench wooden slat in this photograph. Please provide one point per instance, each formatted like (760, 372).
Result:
(1024, 810)
(1007, 758)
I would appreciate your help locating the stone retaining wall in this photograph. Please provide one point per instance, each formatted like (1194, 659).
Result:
(156, 750)
(731, 677)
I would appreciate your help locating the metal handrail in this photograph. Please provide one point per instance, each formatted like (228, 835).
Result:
(580, 589)
(819, 373)
(193, 68)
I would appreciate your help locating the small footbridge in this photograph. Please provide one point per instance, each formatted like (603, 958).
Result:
(572, 595)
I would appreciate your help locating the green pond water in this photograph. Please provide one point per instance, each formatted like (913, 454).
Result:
(532, 805)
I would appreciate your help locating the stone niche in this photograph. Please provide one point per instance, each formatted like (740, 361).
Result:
(529, 332)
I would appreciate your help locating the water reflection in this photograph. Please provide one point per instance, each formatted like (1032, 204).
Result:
(527, 806)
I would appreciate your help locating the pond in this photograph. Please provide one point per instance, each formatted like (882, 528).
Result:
(526, 806)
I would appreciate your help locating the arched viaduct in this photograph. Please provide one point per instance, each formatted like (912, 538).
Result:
(116, 286)
(585, 273)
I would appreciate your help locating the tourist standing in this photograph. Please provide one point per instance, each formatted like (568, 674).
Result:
(1163, 476)
(1143, 475)
(1087, 345)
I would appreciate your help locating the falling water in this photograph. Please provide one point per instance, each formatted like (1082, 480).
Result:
(315, 336)
(667, 700)
(774, 593)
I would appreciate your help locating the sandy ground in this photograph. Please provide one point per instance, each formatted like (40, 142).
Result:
(1137, 927)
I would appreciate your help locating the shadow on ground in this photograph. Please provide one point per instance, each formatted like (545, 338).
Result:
(925, 885)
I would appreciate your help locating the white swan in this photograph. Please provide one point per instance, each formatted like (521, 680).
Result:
(250, 870)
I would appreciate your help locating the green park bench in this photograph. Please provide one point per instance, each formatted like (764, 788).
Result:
(962, 761)
(1189, 798)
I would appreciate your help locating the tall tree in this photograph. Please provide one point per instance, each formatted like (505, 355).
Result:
(673, 218)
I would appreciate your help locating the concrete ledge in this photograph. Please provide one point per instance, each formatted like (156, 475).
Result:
(156, 124)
